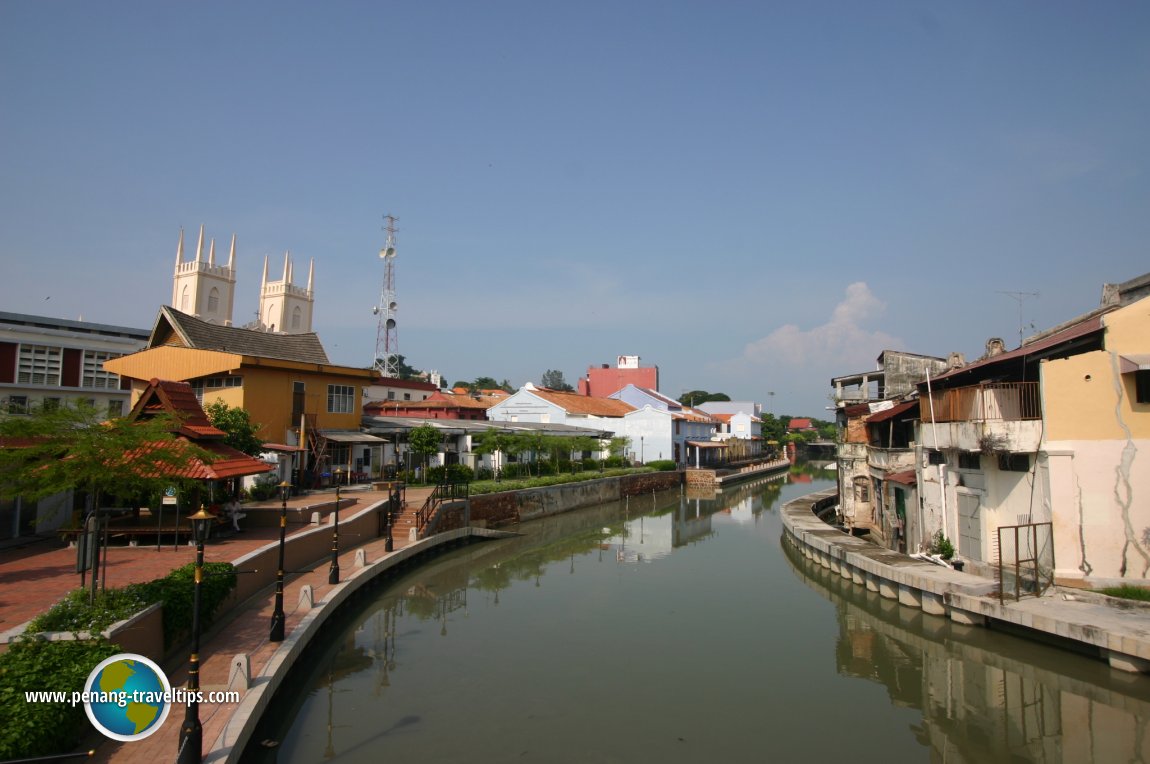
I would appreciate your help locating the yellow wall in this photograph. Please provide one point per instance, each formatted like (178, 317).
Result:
(1085, 397)
(266, 391)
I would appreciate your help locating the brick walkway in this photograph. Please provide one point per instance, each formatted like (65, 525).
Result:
(33, 578)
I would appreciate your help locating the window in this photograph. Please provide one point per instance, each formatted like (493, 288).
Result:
(51, 404)
(340, 399)
(407, 396)
(298, 397)
(94, 374)
(1142, 386)
(17, 404)
(39, 365)
(1014, 462)
(862, 489)
(968, 461)
(217, 382)
(935, 457)
(391, 395)
(185, 300)
(115, 409)
(295, 318)
(213, 300)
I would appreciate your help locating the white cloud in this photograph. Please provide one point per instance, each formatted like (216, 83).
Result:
(842, 342)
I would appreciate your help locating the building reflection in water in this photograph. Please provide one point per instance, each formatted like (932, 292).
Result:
(984, 696)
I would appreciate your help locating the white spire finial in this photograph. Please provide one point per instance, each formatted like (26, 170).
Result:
(232, 253)
(310, 275)
(287, 268)
(264, 281)
(212, 253)
(200, 245)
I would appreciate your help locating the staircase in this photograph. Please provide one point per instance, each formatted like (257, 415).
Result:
(403, 523)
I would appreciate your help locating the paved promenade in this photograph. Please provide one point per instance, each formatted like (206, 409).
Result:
(35, 577)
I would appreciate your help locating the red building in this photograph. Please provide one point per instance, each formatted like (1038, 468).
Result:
(603, 381)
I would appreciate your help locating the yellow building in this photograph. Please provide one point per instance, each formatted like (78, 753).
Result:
(284, 381)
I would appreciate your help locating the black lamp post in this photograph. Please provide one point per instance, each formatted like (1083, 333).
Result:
(277, 630)
(392, 500)
(333, 572)
(192, 733)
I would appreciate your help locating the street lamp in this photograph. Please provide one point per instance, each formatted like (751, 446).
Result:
(277, 630)
(392, 501)
(333, 572)
(192, 732)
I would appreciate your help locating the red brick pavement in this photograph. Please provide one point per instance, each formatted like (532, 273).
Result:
(33, 578)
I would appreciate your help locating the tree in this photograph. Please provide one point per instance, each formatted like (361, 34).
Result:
(237, 423)
(424, 441)
(553, 380)
(68, 446)
(695, 397)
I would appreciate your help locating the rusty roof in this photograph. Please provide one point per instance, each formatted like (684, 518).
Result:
(584, 405)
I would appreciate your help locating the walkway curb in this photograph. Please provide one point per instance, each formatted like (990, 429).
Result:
(1116, 635)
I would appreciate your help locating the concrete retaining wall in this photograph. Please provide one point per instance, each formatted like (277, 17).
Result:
(1117, 635)
(533, 503)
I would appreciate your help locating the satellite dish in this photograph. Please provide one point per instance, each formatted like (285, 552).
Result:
(389, 252)
(375, 310)
(382, 253)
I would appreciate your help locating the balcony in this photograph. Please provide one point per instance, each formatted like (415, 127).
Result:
(890, 459)
(993, 417)
(988, 402)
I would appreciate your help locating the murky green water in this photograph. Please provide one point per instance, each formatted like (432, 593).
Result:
(681, 629)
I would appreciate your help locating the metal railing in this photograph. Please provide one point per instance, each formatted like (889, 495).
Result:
(1025, 560)
(444, 492)
(992, 401)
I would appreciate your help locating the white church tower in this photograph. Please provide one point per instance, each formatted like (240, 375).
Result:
(201, 288)
(284, 307)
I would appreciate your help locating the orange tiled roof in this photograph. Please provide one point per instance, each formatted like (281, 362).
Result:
(584, 405)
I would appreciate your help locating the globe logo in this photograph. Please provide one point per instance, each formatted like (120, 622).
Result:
(127, 697)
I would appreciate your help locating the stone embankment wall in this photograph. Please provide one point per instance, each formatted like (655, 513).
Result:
(495, 509)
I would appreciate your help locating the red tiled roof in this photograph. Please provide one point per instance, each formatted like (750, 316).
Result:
(799, 424)
(584, 405)
(176, 398)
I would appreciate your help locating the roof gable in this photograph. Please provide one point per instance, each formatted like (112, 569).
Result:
(181, 330)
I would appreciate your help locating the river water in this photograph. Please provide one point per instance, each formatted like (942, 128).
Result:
(680, 628)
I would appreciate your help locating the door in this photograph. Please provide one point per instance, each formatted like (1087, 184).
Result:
(969, 527)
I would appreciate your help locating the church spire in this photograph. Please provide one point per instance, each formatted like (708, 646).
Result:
(310, 275)
(232, 253)
(180, 249)
(212, 253)
(200, 245)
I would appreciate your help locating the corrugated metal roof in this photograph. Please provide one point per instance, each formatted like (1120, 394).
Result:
(893, 411)
(1073, 332)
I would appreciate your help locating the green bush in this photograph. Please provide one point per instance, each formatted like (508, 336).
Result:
(43, 729)
(454, 473)
(75, 613)
(175, 590)
(663, 465)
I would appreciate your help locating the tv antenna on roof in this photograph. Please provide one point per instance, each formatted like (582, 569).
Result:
(386, 336)
(1019, 297)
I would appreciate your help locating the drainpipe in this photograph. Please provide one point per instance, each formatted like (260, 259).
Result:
(941, 467)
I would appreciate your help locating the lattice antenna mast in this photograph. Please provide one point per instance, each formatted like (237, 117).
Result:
(1019, 296)
(386, 336)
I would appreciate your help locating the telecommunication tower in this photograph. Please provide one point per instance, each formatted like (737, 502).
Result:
(386, 337)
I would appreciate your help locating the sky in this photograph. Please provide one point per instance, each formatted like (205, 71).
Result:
(753, 196)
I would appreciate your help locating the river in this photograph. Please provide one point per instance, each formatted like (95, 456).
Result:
(680, 628)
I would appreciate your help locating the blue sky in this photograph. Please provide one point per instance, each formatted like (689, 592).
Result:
(753, 196)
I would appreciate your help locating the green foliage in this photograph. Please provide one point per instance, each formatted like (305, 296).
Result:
(695, 397)
(175, 590)
(71, 446)
(942, 546)
(1128, 592)
(31, 665)
(663, 465)
(553, 380)
(452, 473)
(76, 612)
(520, 484)
(242, 432)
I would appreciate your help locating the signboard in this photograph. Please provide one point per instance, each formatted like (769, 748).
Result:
(170, 495)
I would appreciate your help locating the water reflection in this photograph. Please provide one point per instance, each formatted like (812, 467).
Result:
(679, 628)
(984, 697)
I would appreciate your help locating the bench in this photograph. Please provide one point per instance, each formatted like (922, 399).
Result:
(134, 532)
